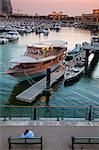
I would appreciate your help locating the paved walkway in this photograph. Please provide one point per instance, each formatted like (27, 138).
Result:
(56, 134)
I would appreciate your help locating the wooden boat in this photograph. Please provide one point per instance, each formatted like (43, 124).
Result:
(38, 58)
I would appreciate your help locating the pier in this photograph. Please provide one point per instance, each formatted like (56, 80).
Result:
(38, 88)
(89, 49)
(34, 91)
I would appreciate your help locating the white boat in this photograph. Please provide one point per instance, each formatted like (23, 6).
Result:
(21, 30)
(93, 45)
(28, 30)
(73, 74)
(57, 26)
(77, 51)
(2, 27)
(3, 40)
(38, 58)
(11, 35)
(38, 30)
(95, 41)
(45, 31)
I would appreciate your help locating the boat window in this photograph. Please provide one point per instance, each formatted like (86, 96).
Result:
(57, 48)
(46, 62)
(26, 66)
(76, 71)
(55, 59)
(68, 58)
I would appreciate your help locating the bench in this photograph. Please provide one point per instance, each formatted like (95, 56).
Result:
(19, 140)
(84, 140)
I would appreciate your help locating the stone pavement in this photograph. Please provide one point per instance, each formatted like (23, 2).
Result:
(56, 134)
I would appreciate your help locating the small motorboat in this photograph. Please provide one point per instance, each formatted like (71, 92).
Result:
(73, 74)
(3, 40)
(11, 35)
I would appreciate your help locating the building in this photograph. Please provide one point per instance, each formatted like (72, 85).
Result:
(89, 18)
(5, 7)
(96, 11)
(57, 16)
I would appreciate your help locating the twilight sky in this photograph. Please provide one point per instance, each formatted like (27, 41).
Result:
(69, 7)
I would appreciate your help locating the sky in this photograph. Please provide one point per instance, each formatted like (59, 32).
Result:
(45, 7)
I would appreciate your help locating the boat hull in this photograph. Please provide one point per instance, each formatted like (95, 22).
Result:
(73, 79)
(22, 77)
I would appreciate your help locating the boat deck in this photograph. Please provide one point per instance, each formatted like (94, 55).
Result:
(31, 93)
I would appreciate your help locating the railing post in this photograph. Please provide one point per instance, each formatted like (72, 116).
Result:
(48, 78)
(10, 113)
(86, 61)
(73, 139)
(4, 119)
(62, 113)
(89, 114)
(34, 113)
(48, 85)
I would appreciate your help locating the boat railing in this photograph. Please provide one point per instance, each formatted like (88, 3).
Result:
(57, 112)
(25, 69)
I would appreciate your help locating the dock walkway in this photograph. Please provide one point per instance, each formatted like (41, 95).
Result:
(38, 88)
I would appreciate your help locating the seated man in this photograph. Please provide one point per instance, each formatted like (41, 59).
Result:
(27, 134)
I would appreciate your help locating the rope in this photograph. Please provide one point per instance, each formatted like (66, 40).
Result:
(30, 80)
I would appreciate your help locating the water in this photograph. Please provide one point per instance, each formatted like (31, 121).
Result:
(84, 92)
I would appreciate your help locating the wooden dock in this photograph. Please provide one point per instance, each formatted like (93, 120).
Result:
(38, 88)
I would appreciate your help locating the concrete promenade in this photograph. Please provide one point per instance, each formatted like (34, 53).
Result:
(56, 134)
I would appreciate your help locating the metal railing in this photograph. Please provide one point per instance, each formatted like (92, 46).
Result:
(59, 112)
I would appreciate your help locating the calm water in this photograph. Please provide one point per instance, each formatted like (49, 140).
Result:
(84, 92)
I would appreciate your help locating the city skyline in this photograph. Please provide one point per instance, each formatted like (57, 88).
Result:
(45, 7)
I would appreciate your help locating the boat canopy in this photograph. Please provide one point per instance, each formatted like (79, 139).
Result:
(57, 43)
(50, 43)
(27, 59)
(23, 59)
(47, 58)
(41, 45)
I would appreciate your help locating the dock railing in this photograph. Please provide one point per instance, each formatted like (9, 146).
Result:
(52, 112)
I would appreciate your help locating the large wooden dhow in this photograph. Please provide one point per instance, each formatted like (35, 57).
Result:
(38, 58)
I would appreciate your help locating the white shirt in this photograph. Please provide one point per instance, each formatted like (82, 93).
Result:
(30, 134)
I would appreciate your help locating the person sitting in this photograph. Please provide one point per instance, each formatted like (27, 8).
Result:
(27, 134)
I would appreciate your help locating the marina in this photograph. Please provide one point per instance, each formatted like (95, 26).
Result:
(49, 75)
(19, 47)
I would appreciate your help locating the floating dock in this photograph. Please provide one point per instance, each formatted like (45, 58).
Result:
(38, 88)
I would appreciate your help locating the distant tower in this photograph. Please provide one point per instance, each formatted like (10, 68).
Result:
(5, 7)
(0, 6)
